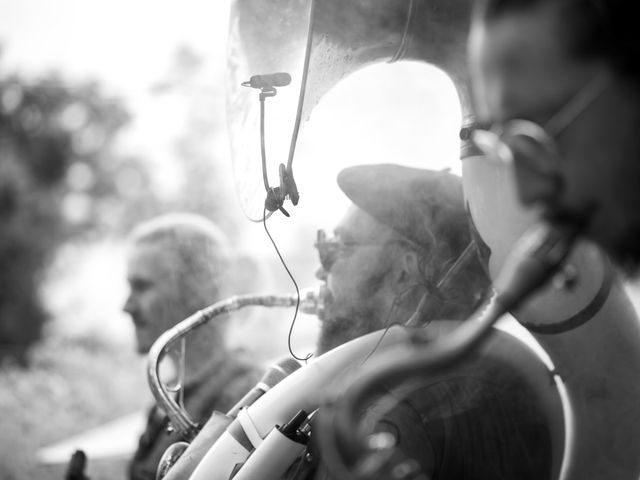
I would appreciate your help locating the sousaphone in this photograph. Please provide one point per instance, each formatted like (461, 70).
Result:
(586, 324)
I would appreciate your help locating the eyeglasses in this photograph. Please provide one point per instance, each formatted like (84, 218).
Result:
(493, 141)
(330, 248)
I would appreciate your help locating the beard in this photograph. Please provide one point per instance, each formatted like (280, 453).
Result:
(350, 318)
(338, 330)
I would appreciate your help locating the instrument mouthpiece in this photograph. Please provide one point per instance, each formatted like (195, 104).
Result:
(312, 301)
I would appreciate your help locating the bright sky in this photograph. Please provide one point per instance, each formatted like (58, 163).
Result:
(129, 45)
(126, 43)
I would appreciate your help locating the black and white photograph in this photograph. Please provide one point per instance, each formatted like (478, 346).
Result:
(319, 240)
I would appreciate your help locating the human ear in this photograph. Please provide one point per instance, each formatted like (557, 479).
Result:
(406, 272)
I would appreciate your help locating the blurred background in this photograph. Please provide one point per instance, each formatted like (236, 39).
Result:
(113, 112)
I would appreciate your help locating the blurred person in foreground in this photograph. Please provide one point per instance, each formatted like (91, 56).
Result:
(178, 264)
(558, 84)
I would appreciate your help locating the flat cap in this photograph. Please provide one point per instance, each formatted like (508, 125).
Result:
(425, 206)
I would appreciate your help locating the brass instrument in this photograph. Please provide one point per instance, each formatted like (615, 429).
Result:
(535, 259)
(310, 302)
(590, 330)
(320, 42)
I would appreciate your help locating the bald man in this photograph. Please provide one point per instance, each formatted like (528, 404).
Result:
(176, 265)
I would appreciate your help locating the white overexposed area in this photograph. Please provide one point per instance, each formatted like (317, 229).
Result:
(127, 46)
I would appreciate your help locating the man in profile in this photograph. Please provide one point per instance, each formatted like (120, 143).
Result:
(404, 254)
(178, 264)
(405, 241)
(558, 83)
(557, 92)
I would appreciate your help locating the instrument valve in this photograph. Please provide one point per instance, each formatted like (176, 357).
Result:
(292, 429)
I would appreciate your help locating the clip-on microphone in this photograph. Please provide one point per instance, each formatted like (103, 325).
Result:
(287, 188)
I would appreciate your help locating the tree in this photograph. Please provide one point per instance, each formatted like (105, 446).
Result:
(59, 178)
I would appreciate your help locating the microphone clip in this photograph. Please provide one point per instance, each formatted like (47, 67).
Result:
(267, 83)
(266, 92)
(287, 189)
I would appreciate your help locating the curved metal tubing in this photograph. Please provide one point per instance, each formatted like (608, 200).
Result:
(178, 417)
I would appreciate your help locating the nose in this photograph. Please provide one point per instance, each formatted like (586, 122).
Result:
(322, 274)
(129, 305)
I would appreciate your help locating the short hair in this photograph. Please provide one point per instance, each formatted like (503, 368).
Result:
(605, 29)
(200, 250)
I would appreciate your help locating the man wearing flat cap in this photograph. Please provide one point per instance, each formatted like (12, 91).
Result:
(403, 253)
(406, 237)
(406, 244)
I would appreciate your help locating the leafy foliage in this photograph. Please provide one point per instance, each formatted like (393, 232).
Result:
(59, 178)
(69, 387)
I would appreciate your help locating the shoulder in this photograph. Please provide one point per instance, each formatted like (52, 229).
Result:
(224, 385)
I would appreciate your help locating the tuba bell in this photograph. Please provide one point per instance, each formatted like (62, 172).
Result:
(320, 43)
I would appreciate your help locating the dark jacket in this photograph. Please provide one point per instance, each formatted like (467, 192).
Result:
(463, 425)
(220, 388)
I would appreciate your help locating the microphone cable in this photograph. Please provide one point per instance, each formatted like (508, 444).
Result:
(263, 155)
(388, 319)
(295, 284)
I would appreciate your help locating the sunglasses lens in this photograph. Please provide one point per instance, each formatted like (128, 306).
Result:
(327, 250)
